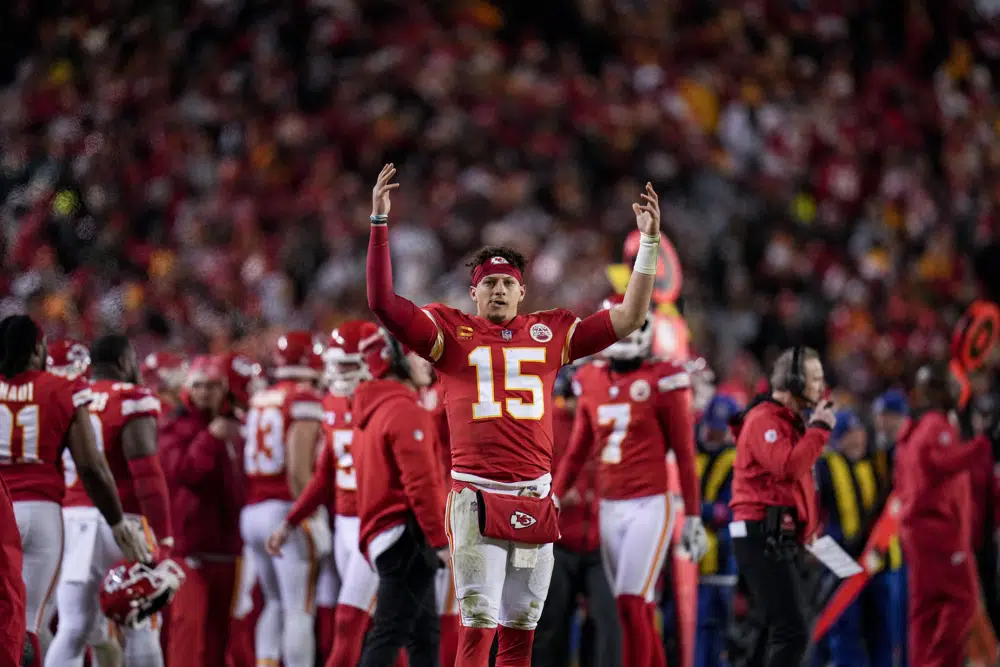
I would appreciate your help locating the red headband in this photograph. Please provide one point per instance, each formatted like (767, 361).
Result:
(493, 266)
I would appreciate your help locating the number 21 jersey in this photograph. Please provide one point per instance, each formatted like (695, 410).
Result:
(497, 381)
(36, 410)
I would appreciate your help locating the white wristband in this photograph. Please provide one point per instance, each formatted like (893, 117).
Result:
(648, 255)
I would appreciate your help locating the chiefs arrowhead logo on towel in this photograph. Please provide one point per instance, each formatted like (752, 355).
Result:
(520, 520)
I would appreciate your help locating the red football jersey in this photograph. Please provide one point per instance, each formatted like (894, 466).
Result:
(36, 409)
(498, 381)
(339, 435)
(271, 414)
(114, 404)
(629, 422)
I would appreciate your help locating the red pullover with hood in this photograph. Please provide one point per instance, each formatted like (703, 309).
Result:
(205, 478)
(397, 462)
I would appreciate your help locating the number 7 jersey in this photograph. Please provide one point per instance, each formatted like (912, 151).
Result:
(497, 382)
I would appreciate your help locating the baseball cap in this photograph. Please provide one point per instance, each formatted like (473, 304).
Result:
(892, 401)
(719, 412)
(846, 420)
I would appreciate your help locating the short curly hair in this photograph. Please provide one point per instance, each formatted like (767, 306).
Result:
(512, 256)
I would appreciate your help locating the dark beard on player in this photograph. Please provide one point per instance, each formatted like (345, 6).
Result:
(625, 365)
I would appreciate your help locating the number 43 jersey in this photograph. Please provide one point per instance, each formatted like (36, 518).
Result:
(36, 410)
(497, 381)
(265, 454)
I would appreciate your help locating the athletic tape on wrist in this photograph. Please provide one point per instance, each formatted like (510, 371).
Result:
(379, 219)
(648, 255)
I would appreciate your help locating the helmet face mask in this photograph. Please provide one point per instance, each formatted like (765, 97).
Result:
(344, 371)
(637, 345)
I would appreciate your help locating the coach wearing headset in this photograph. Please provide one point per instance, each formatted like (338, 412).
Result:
(774, 496)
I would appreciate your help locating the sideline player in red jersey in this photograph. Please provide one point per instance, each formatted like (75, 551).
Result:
(124, 416)
(635, 409)
(335, 475)
(39, 412)
(497, 369)
(284, 426)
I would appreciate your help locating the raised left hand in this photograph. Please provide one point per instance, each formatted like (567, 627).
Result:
(647, 215)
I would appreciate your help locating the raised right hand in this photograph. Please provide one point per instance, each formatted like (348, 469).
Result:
(823, 414)
(380, 193)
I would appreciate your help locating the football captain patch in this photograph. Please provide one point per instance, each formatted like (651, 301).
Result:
(540, 333)
(519, 520)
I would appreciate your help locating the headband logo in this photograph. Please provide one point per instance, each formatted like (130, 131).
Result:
(498, 260)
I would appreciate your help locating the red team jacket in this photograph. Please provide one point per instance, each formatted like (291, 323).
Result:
(775, 453)
(396, 462)
(635, 418)
(205, 478)
(41, 407)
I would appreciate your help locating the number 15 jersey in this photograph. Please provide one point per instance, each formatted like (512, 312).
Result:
(497, 381)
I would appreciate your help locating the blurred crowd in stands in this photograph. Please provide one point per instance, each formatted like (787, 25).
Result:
(197, 172)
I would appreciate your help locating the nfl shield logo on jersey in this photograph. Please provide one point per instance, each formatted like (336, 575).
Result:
(507, 334)
(519, 520)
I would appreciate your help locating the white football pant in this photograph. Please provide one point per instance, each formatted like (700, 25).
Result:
(41, 528)
(635, 539)
(491, 585)
(89, 552)
(285, 628)
(358, 581)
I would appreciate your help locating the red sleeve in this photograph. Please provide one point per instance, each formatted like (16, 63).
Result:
(411, 434)
(941, 452)
(150, 485)
(591, 335)
(779, 454)
(198, 460)
(573, 460)
(404, 320)
(317, 490)
(677, 425)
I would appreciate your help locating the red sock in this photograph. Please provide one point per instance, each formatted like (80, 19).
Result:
(637, 616)
(325, 620)
(401, 659)
(449, 639)
(349, 627)
(36, 654)
(474, 646)
(514, 649)
(659, 657)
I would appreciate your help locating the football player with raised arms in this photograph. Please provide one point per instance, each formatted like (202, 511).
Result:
(497, 369)
(39, 413)
(284, 427)
(124, 416)
(632, 411)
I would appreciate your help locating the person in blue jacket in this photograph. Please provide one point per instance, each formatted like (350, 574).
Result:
(717, 580)
(844, 497)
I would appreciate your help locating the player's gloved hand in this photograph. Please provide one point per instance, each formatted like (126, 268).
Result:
(693, 538)
(278, 539)
(131, 539)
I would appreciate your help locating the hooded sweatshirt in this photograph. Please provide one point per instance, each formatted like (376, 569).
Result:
(397, 463)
